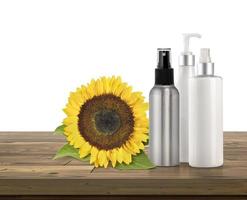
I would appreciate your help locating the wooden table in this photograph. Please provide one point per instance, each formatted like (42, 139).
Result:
(27, 171)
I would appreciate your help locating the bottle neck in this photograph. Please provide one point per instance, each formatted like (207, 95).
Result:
(164, 76)
(186, 60)
(205, 69)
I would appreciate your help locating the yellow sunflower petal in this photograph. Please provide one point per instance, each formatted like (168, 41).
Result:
(106, 86)
(99, 87)
(127, 158)
(115, 85)
(126, 93)
(113, 157)
(70, 138)
(111, 83)
(119, 152)
(84, 93)
(96, 163)
(70, 120)
(91, 88)
(70, 111)
(141, 129)
(72, 128)
(136, 97)
(94, 155)
(76, 99)
(134, 148)
(137, 137)
(121, 87)
(143, 107)
(143, 122)
(102, 158)
(73, 105)
(128, 150)
(79, 141)
(85, 150)
(140, 111)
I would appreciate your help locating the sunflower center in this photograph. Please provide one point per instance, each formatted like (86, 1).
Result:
(107, 121)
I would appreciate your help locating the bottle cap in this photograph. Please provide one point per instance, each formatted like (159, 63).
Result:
(164, 72)
(205, 66)
(187, 58)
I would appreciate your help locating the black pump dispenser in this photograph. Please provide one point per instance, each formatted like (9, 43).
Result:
(164, 72)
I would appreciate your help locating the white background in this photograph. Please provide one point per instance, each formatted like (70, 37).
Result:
(48, 48)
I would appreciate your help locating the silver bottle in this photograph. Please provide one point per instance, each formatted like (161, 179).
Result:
(164, 114)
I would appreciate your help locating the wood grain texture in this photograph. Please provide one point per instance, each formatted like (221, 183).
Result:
(122, 197)
(27, 168)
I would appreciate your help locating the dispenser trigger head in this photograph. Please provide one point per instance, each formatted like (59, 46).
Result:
(187, 37)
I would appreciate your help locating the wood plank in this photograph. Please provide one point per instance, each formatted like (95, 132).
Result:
(27, 168)
(123, 197)
(45, 172)
(30, 136)
(32, 160)
(30, 148)
(122, 187)
(237, 172)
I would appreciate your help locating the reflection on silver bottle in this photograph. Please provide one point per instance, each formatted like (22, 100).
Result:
(164, 116)
(164, 129)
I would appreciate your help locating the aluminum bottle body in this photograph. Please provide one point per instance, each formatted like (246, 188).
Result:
(206, 121)
(164, 125)
(185, 73)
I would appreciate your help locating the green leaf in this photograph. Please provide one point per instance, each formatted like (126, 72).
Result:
(140, 161)
(59, 130)
(69, 151)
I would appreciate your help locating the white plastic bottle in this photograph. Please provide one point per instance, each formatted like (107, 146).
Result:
(185, 71)
(205, 116)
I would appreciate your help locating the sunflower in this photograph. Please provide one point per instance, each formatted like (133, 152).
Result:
(107, 121)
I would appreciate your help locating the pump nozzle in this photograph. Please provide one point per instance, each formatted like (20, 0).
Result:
(205, 56)
(187, 37)
(187, 58)
(164, 58)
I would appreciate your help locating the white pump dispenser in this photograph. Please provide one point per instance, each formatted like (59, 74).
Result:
(186, 71)
(187, 58)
